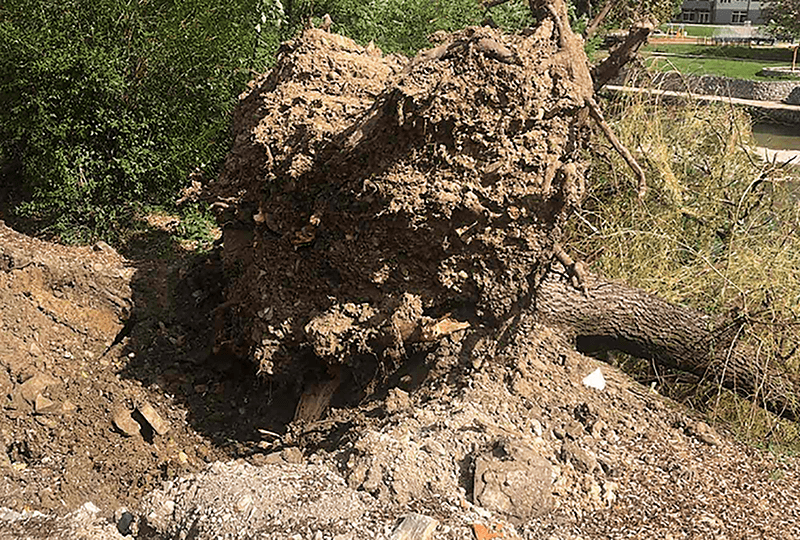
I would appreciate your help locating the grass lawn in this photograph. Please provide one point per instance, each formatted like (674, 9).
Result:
(764, 54)
(737, 69)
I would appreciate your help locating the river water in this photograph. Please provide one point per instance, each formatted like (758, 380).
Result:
(777, 136)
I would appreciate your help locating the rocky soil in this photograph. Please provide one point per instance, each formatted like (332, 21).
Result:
(327, 373)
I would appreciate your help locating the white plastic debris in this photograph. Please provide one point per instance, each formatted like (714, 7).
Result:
(595, 380)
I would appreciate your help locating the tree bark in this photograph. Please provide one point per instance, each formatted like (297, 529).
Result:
(613, 316)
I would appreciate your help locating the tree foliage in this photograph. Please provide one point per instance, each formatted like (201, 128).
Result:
(106, 103)
(783, 17)
(622, 14)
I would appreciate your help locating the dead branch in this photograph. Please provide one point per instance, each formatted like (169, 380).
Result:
(611, 66)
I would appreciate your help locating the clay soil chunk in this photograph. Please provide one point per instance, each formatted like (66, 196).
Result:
(125, 423)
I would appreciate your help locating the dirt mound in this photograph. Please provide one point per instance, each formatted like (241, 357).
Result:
(91, 344)
(376, 202)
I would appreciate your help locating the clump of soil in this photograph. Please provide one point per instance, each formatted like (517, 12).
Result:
(374, 203)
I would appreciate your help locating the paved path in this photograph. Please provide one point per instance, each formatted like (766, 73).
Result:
(779, 156)
(768, 105)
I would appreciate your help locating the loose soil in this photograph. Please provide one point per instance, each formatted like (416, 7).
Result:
(89, 336)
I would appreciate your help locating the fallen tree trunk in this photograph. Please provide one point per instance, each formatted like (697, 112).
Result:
(612, 316)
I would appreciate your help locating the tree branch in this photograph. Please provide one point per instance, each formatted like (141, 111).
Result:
(610, 67)
(597, 116)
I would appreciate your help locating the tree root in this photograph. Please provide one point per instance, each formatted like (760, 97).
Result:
(597, 116)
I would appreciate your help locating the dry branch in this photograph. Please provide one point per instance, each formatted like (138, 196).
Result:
(611, 66)
(597, 116)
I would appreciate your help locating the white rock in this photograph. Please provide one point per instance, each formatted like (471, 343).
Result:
(595, 380)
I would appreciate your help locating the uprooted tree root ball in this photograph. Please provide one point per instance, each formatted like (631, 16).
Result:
(372, 203)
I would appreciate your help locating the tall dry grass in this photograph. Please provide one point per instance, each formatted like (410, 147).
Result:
(718, 231)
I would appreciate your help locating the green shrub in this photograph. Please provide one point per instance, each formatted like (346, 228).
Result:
(105, 104)
(402, 26)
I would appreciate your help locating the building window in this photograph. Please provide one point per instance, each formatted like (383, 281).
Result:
(688, 16)
(703, 16)
(738, 17)
(724, 1)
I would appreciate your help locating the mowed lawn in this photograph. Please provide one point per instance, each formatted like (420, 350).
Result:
(737, 69)
(732, 61)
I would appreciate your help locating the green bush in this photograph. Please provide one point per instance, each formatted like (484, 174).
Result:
(401, 26)
(106, 104)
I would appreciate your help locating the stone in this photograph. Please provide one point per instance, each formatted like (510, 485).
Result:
(292, 455)
(515, 480)
(397, 401)
(125, 423)
(582, 460)
(124, 521)
(35, 386)
(574, 430)
(158, 424)
(42, 405)
(415, 527)
(703, 433)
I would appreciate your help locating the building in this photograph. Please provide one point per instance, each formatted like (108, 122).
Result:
(721, 12)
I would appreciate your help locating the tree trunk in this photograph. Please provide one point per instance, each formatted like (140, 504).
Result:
(609, 68)
(613, 316)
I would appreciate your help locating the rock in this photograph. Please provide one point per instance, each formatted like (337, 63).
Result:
(397, 401)
(515, 480)
(35, 386)
(574, 430)
(581, 459)
(703, 433)
(415, 527)
(34, 349)
(125, 423)
(158, 424)
(124, 521)
(292, 455)
(42, 405)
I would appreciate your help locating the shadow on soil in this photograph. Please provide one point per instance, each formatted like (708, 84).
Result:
(169, 345)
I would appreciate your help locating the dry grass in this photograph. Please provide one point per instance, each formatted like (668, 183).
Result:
(718, 230)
